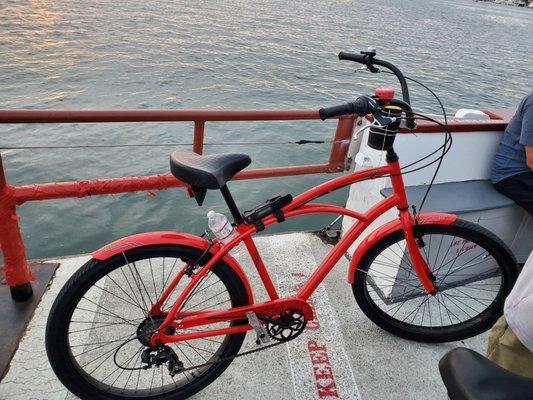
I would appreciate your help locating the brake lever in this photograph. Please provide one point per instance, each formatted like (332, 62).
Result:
(371, 67)
(369, 55)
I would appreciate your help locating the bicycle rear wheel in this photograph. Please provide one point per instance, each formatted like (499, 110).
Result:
(474, 272)
(99, 323)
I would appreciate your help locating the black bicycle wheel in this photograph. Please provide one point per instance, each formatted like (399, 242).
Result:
(474, 272)
(93, 335)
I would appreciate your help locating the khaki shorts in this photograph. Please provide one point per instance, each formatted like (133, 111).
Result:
(507, 351)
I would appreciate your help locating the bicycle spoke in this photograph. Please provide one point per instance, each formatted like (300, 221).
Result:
(460, 269)
(384, 277)
(438, 252)
(126, 321)
(116, 369)
(398, 308)
(472, 259)
(448, 311)
(202, 282)
(187, 357)
(118, 297)
(445, 255)
(126, 365)
(131, 371)
(120, 341)
(134, 292)
(143, 285)
(451, 266)
(169, 276)
(415, 311)
(153, 279)
(204, 301)
(470, 297)
(105, 309)
(137, 283)
(455, 302)
(94, 327)
(398, 265)
(127, 294)
(103, 344)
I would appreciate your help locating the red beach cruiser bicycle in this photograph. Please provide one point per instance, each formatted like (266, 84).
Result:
(184, 304)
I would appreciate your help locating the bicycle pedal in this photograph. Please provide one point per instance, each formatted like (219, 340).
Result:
(262, 335)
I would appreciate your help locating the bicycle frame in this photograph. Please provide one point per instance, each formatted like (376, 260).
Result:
(298, 206)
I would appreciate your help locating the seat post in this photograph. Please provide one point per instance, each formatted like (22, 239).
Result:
(231, 204)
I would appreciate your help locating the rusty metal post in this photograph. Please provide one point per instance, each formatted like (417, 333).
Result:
(341, 143)
(198, 141)
(16, 271)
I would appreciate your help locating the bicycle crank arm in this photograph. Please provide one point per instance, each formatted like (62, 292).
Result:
(262, 335)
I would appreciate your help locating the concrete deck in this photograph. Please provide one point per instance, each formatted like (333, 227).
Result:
(364, 362)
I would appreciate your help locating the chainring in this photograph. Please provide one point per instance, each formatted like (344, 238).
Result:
(286, 326)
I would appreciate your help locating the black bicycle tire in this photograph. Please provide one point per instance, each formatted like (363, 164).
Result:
(479, 235)
(69, 373)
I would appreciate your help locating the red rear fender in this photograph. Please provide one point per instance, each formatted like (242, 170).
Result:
(163, 237)
(430, 218)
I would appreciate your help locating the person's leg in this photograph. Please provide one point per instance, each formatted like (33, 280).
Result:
(506, 350)
(518, 188)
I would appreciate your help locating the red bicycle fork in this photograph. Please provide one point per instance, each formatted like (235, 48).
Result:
(418, 262)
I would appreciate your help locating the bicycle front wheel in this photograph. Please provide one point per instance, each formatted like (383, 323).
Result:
(99, 324)
(474, 272)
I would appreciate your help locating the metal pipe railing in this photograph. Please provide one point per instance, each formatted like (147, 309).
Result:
(16, 271)
(84, 116)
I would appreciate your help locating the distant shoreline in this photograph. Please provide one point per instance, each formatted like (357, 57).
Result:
(519, 3)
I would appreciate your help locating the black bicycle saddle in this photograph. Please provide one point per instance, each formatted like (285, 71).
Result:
(207, 172)
(469, 376)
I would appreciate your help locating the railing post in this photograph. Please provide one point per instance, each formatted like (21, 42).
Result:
(16, 271)
(341, 143)
(198, 141)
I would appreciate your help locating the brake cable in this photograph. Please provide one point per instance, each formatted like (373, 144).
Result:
(445, 126)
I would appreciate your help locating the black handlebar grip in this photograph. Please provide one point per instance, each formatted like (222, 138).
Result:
(360, 58)
(361, 106)
(335, 111)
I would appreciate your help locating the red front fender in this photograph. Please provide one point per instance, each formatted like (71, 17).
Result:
(390, 227)
(163, 237)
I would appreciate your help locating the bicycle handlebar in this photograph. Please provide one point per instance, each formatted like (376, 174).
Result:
(367, 58)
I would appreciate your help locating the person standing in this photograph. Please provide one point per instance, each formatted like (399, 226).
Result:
(512, 169)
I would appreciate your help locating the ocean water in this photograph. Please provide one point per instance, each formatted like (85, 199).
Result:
(224, 54)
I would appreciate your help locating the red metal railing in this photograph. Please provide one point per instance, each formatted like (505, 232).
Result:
(16, 270)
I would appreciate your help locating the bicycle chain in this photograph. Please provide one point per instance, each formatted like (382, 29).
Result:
(220, 360)
(245, 353)
(276, 343)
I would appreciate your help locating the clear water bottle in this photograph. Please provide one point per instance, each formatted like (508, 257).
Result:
(222, 229)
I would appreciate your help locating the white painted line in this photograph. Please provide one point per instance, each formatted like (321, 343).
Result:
(319, 364)
(318, 361)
